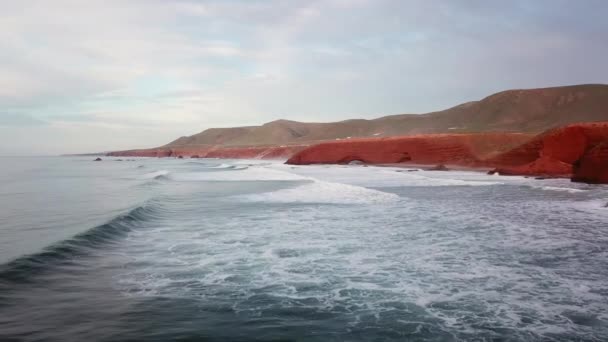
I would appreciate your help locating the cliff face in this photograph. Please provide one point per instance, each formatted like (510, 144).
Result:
(593, 166)
(579, 151)
(500, 131)
(553, 153)
(456, 149)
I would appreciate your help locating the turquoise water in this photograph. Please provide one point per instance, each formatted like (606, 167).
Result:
(227, 250)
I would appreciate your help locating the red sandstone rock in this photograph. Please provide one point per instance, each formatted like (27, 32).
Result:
(593, 167)
(581, 149)
(543, 166)
(455, 149)
(438, 167)
(553, 153)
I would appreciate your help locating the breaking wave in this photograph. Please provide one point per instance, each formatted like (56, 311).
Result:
(557, 188)
(80, 245)
(243, 174)
(314, 253)
(324, 192)
(155, 174)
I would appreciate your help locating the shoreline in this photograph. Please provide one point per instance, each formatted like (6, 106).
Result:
(577, 151)
(437, 167)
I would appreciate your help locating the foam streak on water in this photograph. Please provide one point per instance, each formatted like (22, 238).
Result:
(250, 250)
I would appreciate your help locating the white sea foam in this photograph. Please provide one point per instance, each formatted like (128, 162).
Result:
(236, 175)
(324, 192)
(220, 166)
(152, 175)
(557, 185)
(463, 264)
(595, 206)
(392, 177)
(556, 188)
(410, 179)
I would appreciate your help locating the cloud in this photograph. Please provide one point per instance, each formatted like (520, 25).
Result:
(11, 119)
(183, 66)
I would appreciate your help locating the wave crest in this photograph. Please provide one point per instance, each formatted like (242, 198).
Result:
(19, 270)
(324, 192)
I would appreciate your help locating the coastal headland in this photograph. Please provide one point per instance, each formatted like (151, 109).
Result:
(548, 132)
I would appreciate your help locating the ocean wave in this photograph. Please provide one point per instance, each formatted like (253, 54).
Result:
(238, 167)
(226, 167)
(378, 177)
(409, 179)
(243, 174)
(324, 192)
(557, 188)
(162, 178)
(209, 166)
(592, 206)
(155, 174)
(63, 252)
(220, 166)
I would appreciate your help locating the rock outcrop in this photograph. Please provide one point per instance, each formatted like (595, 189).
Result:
(579, 151)
(499, 132)
(593, 166)
(427, 149)
(555, 153)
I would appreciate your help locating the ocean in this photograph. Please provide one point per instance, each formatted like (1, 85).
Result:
(245, 250)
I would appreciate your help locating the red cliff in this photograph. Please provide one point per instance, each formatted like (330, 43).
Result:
(455, 149)
(579, 151)
(554, 153)
(593, 166)
(499, 131)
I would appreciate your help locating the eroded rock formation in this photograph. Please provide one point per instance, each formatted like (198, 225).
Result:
(579, 151)
(593, 166)
(480, 133)
(429, 149)
(557, 152)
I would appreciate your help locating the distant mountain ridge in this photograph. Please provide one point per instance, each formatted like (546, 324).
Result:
(522, 110)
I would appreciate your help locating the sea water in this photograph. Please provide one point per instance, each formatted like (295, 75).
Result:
(235, 250)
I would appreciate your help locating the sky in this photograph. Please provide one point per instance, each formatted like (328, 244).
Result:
(99, 75)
